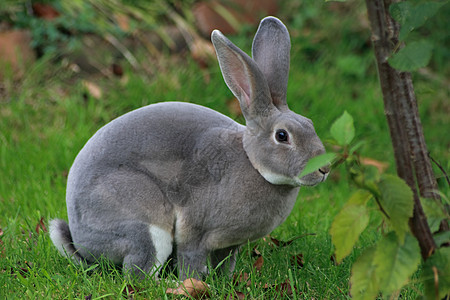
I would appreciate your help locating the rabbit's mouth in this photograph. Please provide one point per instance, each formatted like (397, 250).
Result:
(314, 178)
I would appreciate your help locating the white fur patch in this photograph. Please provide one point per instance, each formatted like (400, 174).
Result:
(180, 235)
(280, 179)
(162, 241)
(57, 238)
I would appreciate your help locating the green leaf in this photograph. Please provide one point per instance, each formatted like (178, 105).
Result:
(401, 11)
(343, 130)
(442, 238)
(395, 262)
(434, 213)
(360, 197)
(412, 17)
(436, 274)
(349, 223)
(396, 198)
(364, 280)
(412, 57)
(317, 162)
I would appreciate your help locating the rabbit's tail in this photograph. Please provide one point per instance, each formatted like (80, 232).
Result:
(62, 239)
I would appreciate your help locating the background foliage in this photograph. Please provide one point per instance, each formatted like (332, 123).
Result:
(48, 114)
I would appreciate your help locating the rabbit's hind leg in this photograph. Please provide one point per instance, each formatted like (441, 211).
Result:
(148, 252)
(224, 260)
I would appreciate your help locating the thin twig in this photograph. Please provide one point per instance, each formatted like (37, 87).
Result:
(440, 167)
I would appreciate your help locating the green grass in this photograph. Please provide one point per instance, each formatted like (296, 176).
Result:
(46, 118)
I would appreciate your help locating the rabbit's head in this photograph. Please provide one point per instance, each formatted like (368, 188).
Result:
(277, 141)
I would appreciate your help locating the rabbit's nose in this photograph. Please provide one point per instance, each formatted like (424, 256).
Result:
(325, 169)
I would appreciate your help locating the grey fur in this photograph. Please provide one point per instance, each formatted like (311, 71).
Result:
(179, 173)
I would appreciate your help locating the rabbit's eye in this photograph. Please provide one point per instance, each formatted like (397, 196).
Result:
(282, 136)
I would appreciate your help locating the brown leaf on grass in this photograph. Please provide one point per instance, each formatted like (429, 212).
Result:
(41, 226)
(255, 252)
(284, 288)
(21, 269)
(130, 290)
(242, 277)
(235, 296)
(280, 243)
(191, 287)
(259, 263)
(297, 260)
(334, 260)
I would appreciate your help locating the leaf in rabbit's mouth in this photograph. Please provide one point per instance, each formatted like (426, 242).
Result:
(316, 163)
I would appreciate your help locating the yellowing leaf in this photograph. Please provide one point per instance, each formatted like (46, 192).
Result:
(348, 225)
(364, 280)
(360, 197)
(395, 262)
(397, 200)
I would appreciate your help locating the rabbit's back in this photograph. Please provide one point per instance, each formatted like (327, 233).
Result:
(153, 131)
(142, 152)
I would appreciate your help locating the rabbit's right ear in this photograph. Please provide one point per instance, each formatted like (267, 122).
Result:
(271, 52)
(243, 78)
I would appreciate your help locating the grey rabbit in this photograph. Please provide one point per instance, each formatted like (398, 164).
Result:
(179, 175)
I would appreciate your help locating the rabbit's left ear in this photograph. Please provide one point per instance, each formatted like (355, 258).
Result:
(271, 51)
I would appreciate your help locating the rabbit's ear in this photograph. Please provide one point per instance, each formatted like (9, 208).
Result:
(271, 51)
(243, 78)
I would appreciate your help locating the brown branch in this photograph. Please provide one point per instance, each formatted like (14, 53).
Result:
(403, 120)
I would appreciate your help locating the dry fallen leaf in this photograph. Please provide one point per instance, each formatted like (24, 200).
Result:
(191, 287)
(258, 263)
(41, 226)
(297, 260)
(130, 290)
(284, 288)
(279, 243)
(333, 259)
(256, 252)
(242, 277)
(235, 296)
